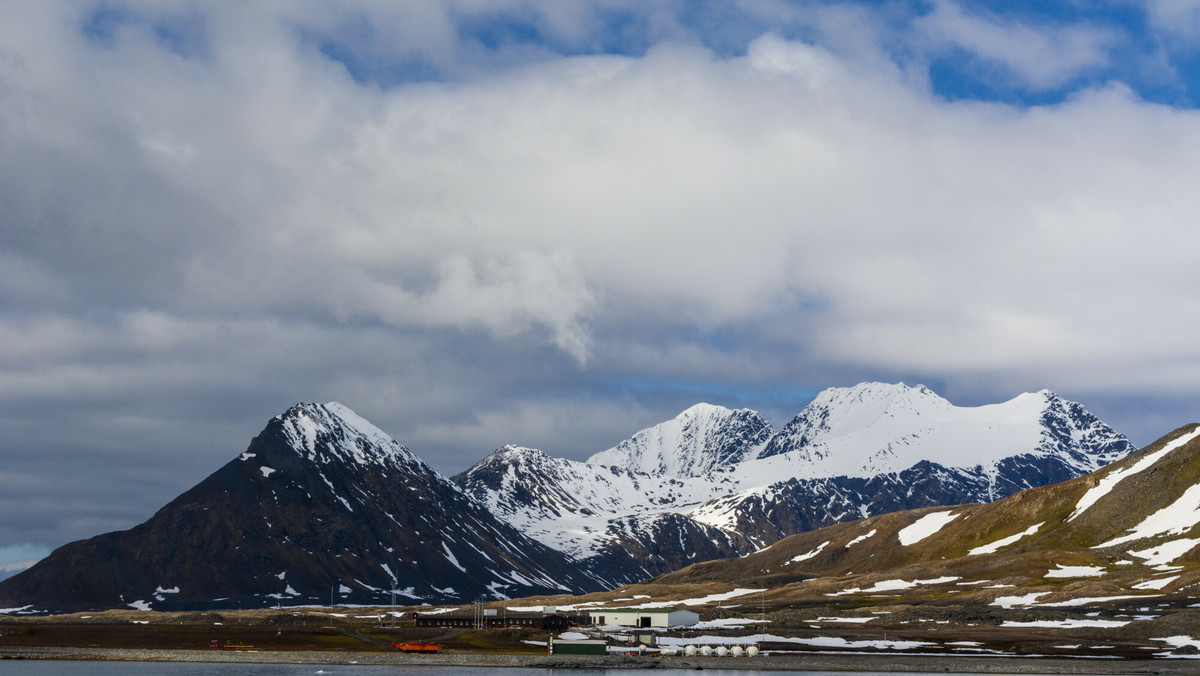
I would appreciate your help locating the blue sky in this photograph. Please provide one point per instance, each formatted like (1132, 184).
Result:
(556, 223)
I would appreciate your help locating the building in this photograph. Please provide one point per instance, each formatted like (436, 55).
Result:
(578, 647)
(644, 617)
(490, 620)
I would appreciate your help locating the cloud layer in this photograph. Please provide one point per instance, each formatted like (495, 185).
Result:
(555, 223)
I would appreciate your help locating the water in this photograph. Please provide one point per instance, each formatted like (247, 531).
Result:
(81, 667)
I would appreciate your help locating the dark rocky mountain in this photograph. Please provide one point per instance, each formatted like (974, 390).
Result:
(321, 505)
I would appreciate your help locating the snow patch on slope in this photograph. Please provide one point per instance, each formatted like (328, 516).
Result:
(1110, 480)
(1176, 518)
(924, 527)
(1004, 542)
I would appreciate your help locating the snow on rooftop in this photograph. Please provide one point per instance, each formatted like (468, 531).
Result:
(1110, 480)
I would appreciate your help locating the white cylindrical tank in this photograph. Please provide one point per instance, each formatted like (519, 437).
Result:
(722, 651)
(737, 651)
(690, 651)
(706, 651)
(752, 651)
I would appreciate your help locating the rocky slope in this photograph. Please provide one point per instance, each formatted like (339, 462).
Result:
(321, 506)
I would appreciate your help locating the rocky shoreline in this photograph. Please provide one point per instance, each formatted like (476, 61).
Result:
(790, 662)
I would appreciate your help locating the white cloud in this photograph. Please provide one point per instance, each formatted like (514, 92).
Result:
(207, 237)
(1179, 19)
(1036, 56)
(579, 195)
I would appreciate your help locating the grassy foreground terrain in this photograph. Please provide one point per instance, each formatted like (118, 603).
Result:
(909, 639)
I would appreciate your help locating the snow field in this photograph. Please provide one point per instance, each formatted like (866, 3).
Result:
(925, 527)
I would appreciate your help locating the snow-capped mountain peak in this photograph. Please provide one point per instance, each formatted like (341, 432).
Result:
(717, 478)
(702, 439)
(840, 411)
(323, 432)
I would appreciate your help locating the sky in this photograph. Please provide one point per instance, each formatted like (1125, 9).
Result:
(556, 223)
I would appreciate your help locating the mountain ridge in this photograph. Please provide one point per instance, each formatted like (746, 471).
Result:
(852, 452)
(1134, 520)
(322, 502)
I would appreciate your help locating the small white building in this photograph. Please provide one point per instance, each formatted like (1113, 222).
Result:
(644, 617)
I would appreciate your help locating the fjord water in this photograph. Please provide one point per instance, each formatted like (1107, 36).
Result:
(79, 667)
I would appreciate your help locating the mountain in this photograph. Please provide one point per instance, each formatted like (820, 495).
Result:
(1128, 533)
(715, 483)
(322, 504)
(1103, 566)
(702, 439)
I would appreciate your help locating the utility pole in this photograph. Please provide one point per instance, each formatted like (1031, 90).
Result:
(331, 588)
(762, 599)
